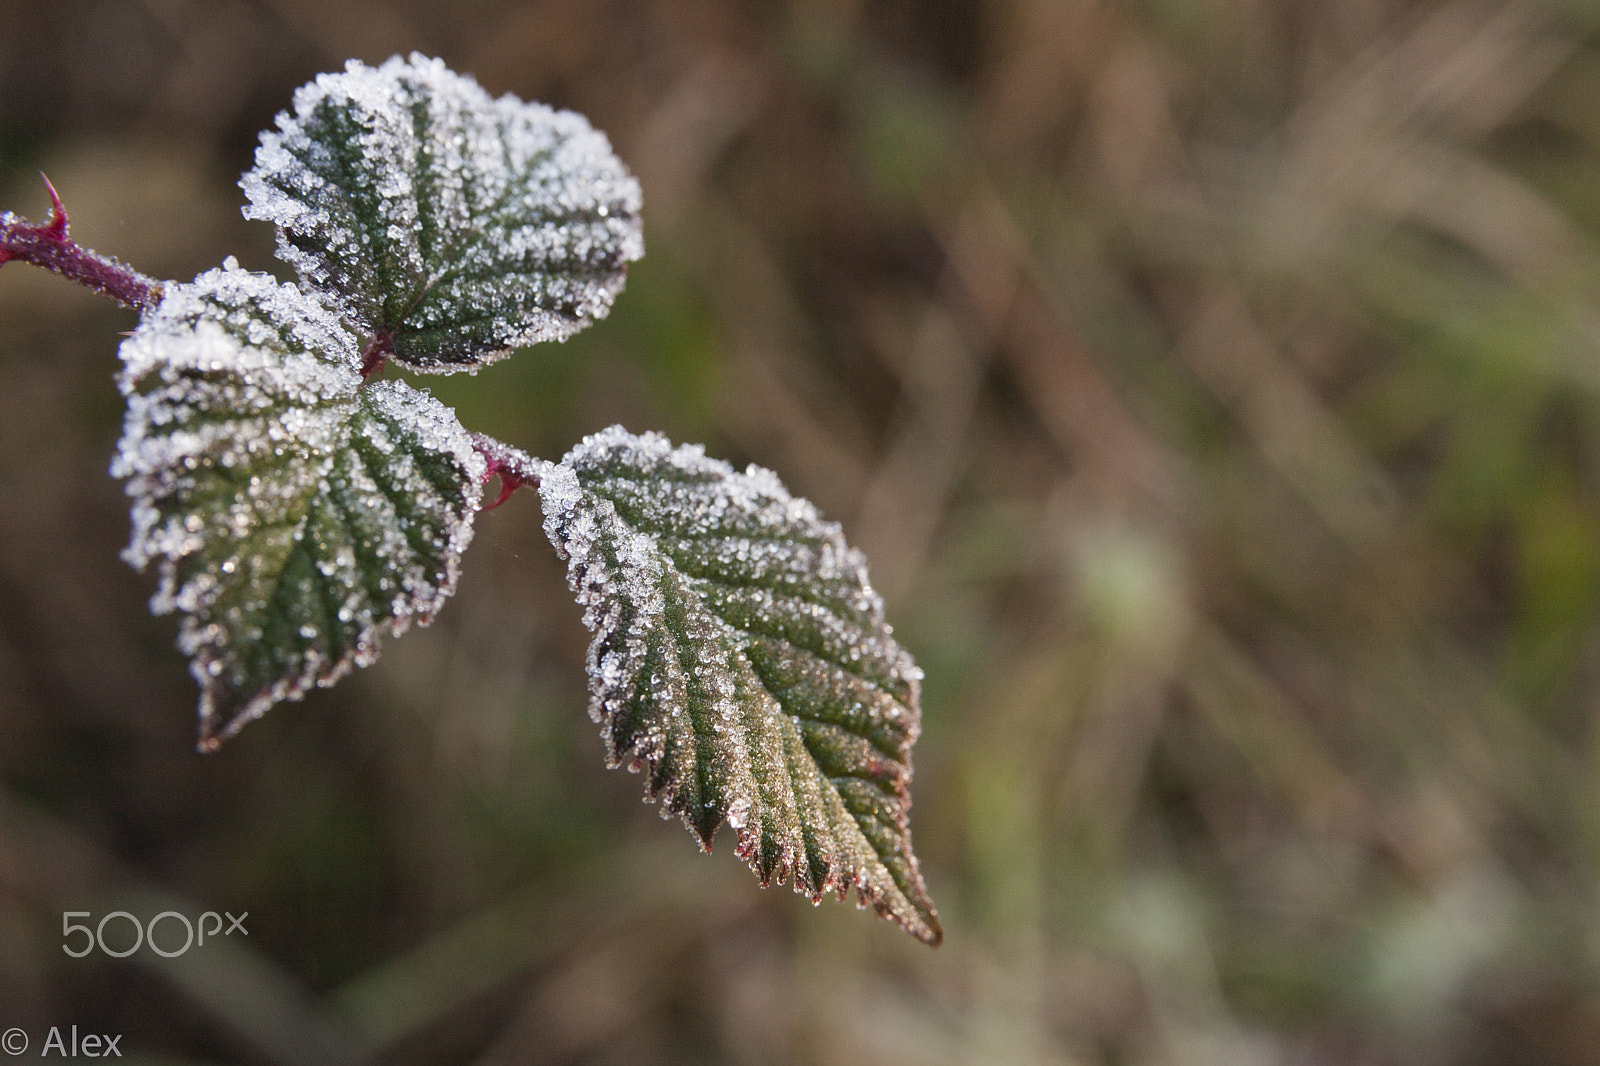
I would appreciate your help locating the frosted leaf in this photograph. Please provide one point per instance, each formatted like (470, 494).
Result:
(446, 224)
(741, 659)
(293, 515)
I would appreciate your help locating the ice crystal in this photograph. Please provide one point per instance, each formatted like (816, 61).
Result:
(294, 516)
(741, 659)
(447, 224)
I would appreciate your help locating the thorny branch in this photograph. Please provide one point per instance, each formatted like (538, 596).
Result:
(47, 245)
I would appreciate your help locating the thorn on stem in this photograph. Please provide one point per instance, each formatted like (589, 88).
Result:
(509, 483)
(512, 468)
(56, 224)
(48, 246)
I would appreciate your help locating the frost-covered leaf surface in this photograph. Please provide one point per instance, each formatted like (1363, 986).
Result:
(742, 661)
(293, 515)
(449, 225)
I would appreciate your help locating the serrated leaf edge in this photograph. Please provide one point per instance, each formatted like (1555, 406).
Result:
(322, 671)
(144, 353)
(266, 203)
(918, 917)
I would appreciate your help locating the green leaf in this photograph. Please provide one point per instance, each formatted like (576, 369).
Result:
(741, 659)
(294, 514)
(448, 226)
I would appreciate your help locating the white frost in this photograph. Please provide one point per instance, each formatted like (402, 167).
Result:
(249, 438)
(733, 629)
(464, 224)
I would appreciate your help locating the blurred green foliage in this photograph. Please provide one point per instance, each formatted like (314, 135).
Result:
(1214, 386)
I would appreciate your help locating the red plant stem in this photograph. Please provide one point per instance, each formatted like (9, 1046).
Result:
(376, 353)
(514, 468)
(47, 245)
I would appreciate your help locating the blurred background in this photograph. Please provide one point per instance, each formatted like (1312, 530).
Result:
(1214, 386)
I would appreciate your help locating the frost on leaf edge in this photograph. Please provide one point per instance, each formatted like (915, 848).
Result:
(363, 83)
(559, 487)
(176, 332)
